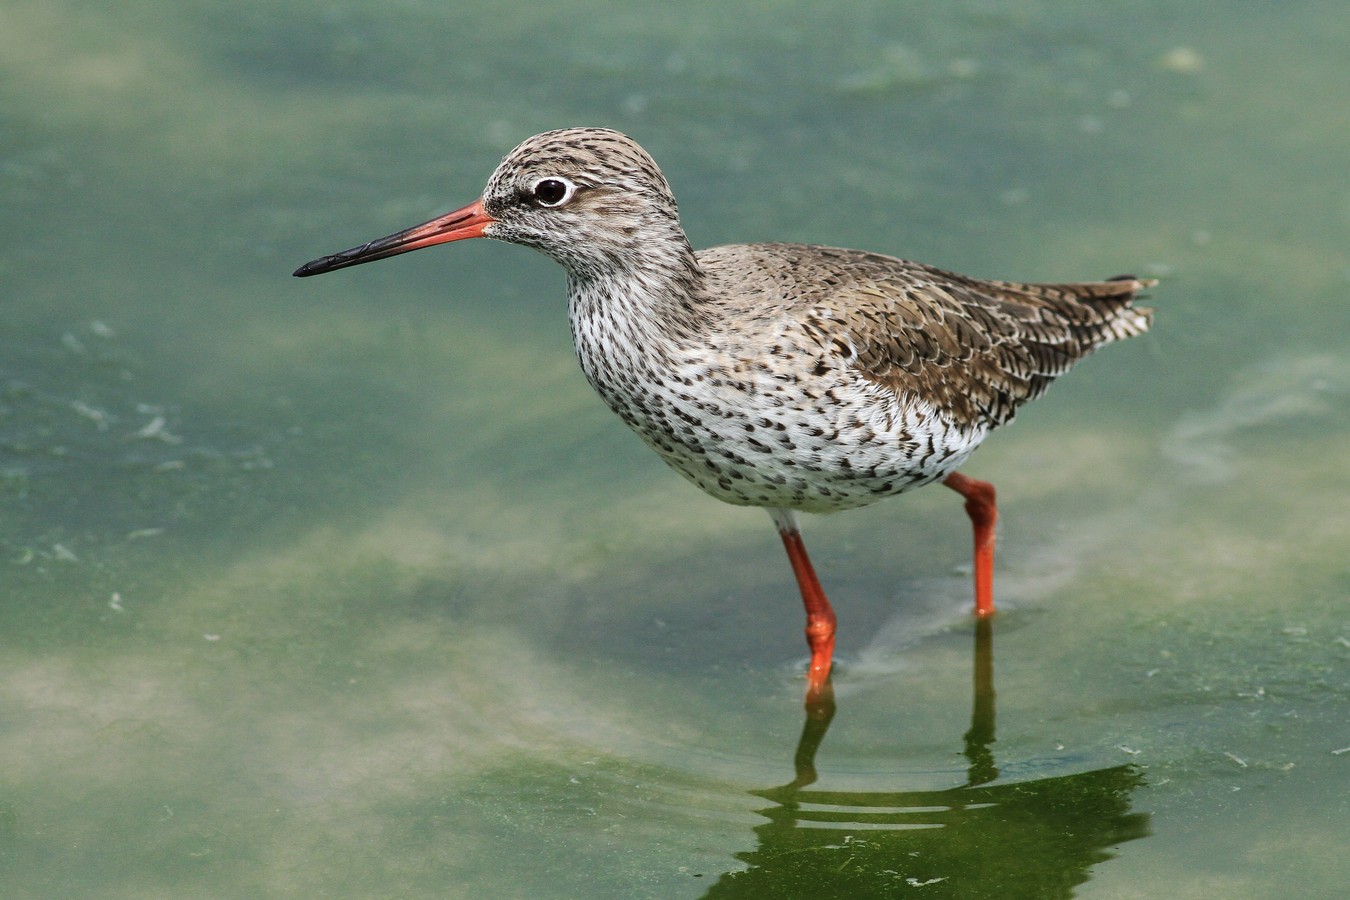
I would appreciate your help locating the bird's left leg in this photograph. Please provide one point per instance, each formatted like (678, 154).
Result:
(820, 620)
(983, 514)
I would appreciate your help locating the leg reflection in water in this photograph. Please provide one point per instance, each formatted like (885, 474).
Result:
(1035, 838)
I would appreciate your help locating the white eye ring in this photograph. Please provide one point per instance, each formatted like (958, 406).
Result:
(552, 191)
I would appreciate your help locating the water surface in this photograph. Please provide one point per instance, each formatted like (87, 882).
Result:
(350, 587)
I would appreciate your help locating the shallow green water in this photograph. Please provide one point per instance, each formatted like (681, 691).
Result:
(350, 587)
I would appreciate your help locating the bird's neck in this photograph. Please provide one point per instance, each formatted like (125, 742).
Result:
(629, 317)
(651, 295)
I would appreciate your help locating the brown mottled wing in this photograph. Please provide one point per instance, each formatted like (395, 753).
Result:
(976, 350)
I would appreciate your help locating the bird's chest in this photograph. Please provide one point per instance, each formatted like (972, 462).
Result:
(658, 389)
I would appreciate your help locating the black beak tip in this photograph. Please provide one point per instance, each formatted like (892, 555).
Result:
(308, 269)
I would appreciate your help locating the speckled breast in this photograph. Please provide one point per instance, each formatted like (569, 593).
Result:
(751, 439)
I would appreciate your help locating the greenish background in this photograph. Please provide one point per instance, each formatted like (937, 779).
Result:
(350, 586)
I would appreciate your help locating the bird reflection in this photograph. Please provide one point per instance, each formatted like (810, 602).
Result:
(1035, 838)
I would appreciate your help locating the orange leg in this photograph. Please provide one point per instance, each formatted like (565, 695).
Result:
(820, 619)
(983, 514)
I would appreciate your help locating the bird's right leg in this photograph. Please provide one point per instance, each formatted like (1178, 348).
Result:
(820, 620)
(983, 512)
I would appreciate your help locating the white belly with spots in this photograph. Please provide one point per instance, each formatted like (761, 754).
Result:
(755, 427)
(761, 442)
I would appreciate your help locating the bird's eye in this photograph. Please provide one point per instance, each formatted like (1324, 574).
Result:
(552, 191)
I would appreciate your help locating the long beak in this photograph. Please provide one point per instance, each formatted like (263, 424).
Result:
(466, 222)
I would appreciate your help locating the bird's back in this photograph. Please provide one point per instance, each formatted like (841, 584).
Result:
(973, 349)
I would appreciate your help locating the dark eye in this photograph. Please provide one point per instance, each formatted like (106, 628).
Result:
(552, 191)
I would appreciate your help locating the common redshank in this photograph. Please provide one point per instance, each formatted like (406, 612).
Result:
(788, 376)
